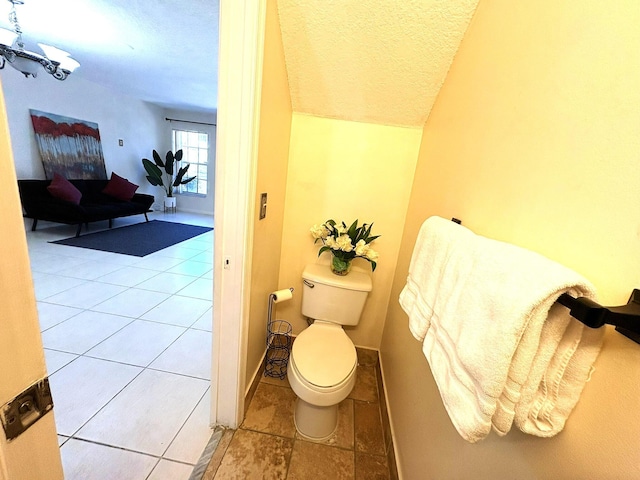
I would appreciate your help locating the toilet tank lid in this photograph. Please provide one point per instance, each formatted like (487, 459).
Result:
(322, 274)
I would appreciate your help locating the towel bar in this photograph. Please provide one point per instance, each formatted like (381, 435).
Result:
(626, 318)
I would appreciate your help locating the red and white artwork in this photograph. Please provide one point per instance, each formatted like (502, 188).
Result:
(68, 146)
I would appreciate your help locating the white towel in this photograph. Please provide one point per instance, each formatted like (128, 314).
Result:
(498, 347)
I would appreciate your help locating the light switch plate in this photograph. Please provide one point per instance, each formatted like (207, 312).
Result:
(263, 205)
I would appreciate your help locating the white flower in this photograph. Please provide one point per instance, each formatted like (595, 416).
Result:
(339, 238)
(372, 255)
(330, 242)
(362, 248)
(319, 231)
(344, 243)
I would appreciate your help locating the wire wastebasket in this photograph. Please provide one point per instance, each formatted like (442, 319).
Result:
(278, 348)
(279, 343)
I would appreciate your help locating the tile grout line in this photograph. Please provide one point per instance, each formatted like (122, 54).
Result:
(142, 368)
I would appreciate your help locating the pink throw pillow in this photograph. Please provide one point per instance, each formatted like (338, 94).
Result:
(120, 188)
(63, 189)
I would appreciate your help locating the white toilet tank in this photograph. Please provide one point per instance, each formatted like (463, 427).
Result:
(334, 298)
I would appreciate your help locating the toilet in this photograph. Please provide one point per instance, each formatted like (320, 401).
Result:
(322, 365)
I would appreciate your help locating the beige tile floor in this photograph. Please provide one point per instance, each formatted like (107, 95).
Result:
(266, 445)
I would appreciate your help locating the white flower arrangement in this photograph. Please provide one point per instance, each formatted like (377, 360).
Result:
(345, 243)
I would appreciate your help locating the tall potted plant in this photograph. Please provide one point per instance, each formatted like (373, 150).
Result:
(166, 179)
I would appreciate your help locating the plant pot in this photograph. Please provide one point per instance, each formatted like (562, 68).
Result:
(170, 204)
(340, 267)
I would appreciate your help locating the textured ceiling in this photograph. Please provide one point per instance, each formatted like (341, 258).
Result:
(376, 61)
(161, 51)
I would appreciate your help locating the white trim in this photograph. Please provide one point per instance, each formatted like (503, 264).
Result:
(210, 132)
(240, 71)
(257, 371)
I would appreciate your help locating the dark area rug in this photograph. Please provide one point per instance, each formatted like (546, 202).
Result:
(137, 240)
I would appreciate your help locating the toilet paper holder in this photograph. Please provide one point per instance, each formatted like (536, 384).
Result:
(279, 341)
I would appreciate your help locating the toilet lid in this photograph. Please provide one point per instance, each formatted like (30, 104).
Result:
(324, 355)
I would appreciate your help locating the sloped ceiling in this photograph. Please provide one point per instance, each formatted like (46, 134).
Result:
(375, 61)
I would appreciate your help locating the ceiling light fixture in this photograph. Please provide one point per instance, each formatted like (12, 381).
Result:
(56, 62)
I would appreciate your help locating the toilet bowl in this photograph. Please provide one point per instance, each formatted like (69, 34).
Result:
(322, 365)
(322, 373)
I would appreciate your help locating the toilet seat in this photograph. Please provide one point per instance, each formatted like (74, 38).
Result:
(324, 357)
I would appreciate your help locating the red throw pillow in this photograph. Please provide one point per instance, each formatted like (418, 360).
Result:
(120, 188)
(63, 189)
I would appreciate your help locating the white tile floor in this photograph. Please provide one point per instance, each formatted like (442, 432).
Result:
(128, 349)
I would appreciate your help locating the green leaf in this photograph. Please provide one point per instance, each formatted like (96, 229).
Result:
(178, 155)
(371, 239)
(181, 173)
(373, 265)
(352, 229)
(169, 161)
(367, 232)
(184, 182)
(157, 159)
(323, 249)
(361, 233)
(154, 181)
(152, 170)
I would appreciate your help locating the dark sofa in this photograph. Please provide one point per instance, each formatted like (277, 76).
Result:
(94, 205)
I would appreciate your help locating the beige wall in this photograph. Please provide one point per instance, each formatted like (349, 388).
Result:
(534, 140)
(35, 453)
(346, 171)
(273, 155)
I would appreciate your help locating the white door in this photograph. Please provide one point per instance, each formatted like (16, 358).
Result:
(34, 454)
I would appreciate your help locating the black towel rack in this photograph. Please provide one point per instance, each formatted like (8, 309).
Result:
(626, 318)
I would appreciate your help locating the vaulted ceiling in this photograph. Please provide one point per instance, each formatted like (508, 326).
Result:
(378, 61)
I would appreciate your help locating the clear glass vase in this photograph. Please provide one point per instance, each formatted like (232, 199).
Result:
(340, 266)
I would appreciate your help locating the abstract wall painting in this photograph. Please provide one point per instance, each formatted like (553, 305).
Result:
(68, 146)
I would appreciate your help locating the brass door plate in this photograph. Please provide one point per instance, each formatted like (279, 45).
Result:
(26, 409)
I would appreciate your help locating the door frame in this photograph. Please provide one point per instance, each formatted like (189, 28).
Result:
(241, 50)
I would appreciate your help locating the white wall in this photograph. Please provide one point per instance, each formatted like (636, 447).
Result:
(139, 124)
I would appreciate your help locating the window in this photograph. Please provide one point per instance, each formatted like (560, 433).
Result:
(195, 152)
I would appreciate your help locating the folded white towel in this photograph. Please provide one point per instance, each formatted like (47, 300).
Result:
(498, 347)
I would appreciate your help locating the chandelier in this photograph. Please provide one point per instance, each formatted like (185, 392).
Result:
(56, 62)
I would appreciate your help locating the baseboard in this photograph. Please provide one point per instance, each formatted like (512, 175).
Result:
(255, 380)
(392, 455)
(158, 207)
